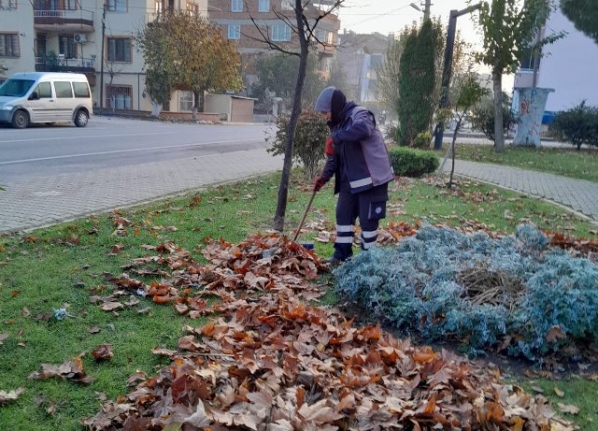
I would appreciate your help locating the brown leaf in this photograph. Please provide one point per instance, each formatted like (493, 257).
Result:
(554, 334)
(111, 306)
(567, 408)
(3, 336)
(199, 418)
(11, 395)
(102, 352)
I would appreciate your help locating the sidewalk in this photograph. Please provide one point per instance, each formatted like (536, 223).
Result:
(60, 198)
(578, 195)
(50, 200)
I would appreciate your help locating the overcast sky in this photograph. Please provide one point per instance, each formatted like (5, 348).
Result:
(389, 16)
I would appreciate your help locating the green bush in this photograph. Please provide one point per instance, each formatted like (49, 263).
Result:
(409, 162)
(423, 140)
(309, 142)
(578, 125)
(482, 116)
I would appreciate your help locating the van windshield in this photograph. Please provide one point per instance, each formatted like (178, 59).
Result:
(16, 87)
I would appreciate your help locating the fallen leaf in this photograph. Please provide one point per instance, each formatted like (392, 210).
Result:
(559, 392)
(11, 395)
(567, 408)
(111, 306)
(102, 352)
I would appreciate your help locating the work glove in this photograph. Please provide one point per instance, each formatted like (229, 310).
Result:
(319, 182)
(329, 146)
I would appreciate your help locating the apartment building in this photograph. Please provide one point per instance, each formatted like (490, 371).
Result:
(247, 21)
(70, 35)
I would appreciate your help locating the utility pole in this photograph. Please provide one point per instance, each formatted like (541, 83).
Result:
(427, 6)
(102, 60)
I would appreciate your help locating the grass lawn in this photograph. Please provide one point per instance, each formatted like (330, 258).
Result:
(58, 269)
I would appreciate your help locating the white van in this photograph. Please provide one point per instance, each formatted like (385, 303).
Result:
(45, 97)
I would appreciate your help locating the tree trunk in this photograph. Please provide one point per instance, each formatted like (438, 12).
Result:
(156, 109)
(457, 127)
(499, 135)
(283, 189)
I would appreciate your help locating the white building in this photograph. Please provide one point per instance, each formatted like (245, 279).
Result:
(569, 66)
(67, 35)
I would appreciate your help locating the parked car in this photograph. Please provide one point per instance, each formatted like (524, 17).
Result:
(45, 97)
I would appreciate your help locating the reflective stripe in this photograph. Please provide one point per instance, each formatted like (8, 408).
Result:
(368, 245)
(361, 183)
(344, 240)
(368, 235)
(344, 228)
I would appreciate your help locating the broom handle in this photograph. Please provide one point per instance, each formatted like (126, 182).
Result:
(304, 215)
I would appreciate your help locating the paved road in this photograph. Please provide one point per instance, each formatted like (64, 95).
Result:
(50, 199)
(109, 142)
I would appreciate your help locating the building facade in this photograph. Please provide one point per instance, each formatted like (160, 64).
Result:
(360, 56)
(569, 66)
(250, 22)
(70, 35)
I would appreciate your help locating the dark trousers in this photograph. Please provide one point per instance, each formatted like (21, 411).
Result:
(370, 207)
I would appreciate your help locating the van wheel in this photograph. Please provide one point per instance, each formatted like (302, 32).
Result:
(20, 120)
(81, 118)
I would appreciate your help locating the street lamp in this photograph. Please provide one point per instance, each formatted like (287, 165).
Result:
(447, 69)
(416, 7)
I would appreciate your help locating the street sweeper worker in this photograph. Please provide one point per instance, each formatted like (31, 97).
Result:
(358, 159)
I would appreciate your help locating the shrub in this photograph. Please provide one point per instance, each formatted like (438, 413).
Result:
(512, 291)
(578, 125)
(482, 116)
(309, 142)
(409, 162)
(423, 140)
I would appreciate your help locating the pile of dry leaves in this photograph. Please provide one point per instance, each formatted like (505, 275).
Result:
(273, 362)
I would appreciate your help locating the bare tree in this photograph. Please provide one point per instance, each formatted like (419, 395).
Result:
(303, 21)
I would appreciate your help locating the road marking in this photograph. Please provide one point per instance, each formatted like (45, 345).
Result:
(86, 136)
(132, 150)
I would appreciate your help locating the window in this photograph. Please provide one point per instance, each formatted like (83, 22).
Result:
(236, 5)
(44, 90)
(281, 32)
(119, 49)
(287, 4)
(234, 31)
(67, 47)
(186, 101)
(158, 8)
(81, 89)
(118, 96)
(116, 5)
(9, 45)
(63, 89)
(8, 4)
(193, 9)
(527, 63)
(264, 6)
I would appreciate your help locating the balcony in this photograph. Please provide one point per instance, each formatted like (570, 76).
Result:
(63, 20)
(53, 63)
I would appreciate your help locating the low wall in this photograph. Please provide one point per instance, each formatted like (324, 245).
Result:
(202, 116)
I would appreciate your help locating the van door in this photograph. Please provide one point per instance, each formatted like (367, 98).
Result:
(41, 103)
(65, 102)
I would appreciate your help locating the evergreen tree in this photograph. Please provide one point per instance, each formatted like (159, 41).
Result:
(583, 14)
(417, 83)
